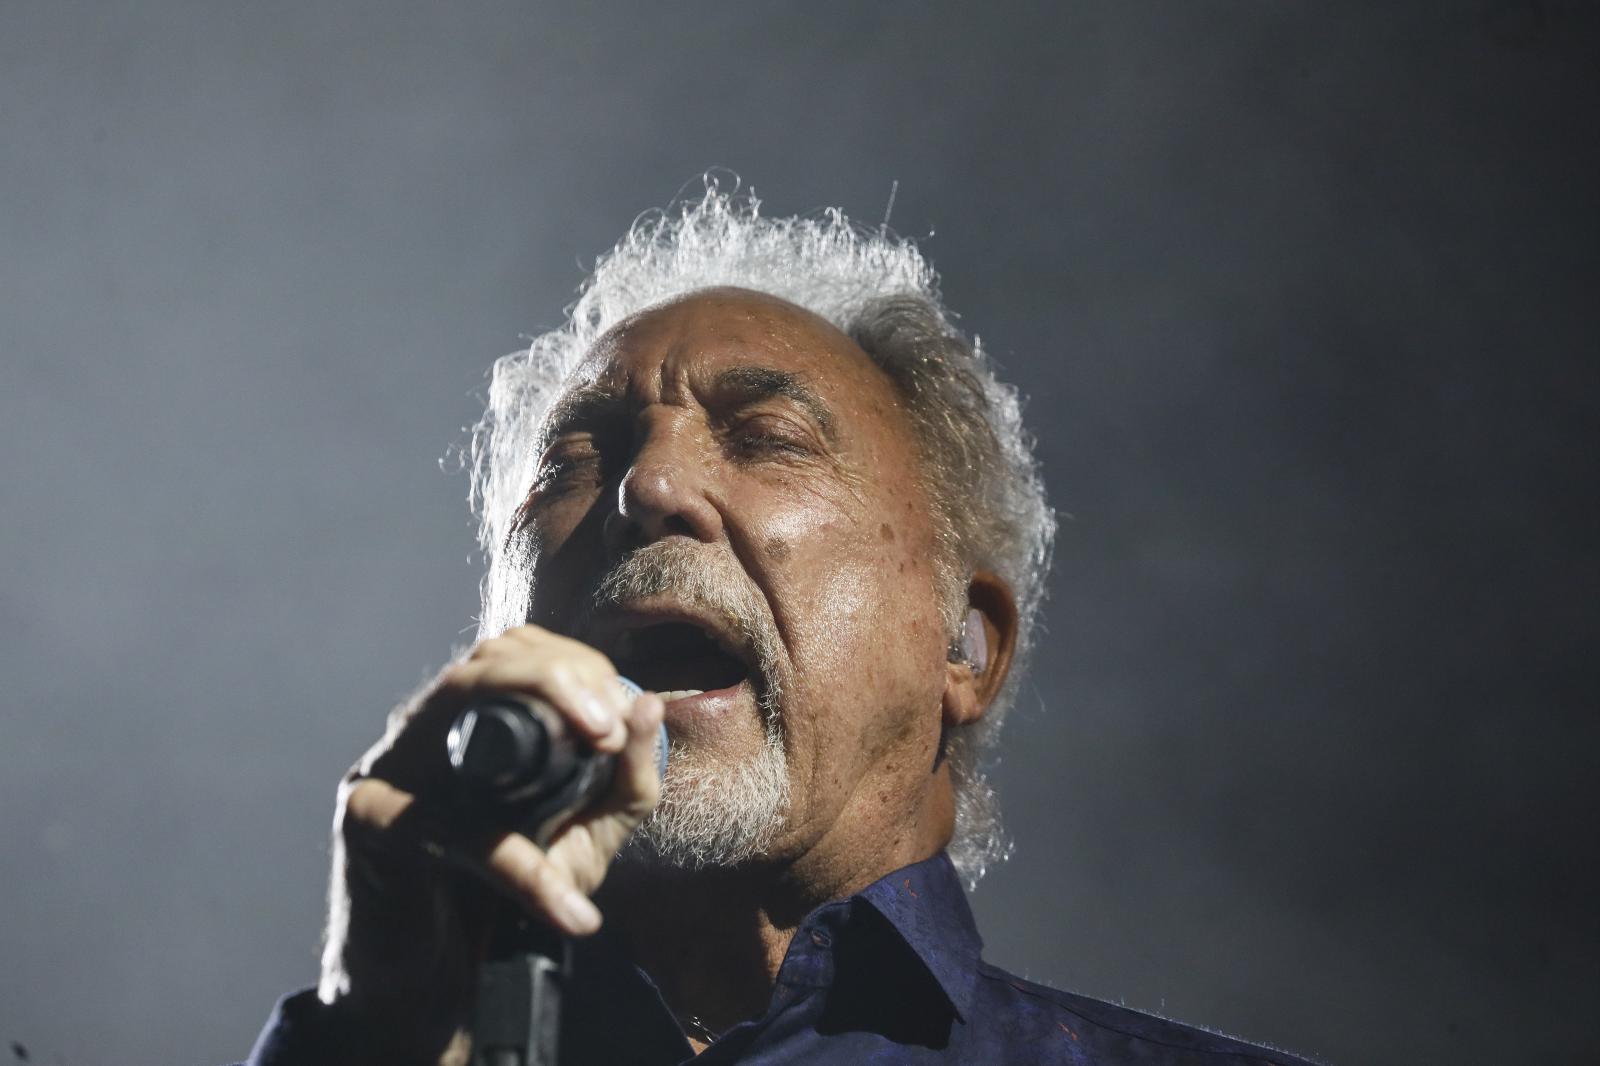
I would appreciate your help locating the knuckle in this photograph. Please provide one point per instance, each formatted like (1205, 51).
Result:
(458, 675)
(356, 801)
(565, 673)
(531, 874)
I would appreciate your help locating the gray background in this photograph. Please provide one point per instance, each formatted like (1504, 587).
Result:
(1302, 297)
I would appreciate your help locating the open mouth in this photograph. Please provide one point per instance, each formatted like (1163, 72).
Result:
(676, 660)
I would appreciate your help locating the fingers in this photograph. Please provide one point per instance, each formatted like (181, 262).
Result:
(374, 805)
(579, 682)
(637, 784)
(384, 818)
(587, 844)
(576, 681)
(542, 886)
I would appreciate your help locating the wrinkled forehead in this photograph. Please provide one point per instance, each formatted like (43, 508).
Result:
(690, 341)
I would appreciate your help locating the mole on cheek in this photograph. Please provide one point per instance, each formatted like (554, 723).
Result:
(778, 548)
(886, 531)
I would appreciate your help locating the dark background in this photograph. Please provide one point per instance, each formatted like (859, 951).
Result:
(1302, 295)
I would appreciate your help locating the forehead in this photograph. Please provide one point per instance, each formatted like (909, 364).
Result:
(696, 338)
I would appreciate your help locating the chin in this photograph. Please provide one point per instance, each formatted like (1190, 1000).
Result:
(715, 815)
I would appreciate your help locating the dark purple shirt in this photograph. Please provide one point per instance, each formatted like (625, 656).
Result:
(890, 976)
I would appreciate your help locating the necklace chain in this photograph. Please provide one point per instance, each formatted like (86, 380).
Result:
(697, 1027)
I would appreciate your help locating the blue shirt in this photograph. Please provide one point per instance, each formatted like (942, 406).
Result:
(892, 976)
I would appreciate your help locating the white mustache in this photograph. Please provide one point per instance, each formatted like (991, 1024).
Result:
(705, 580)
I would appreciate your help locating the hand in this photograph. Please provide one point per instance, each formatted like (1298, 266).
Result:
(405, 930)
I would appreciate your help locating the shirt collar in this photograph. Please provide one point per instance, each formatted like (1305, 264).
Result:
(927, 906)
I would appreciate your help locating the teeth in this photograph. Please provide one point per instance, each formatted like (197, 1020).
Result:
(679, 694)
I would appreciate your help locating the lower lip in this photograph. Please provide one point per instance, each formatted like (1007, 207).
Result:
(691, 711)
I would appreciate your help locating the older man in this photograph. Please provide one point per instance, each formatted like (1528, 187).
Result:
(761, 474)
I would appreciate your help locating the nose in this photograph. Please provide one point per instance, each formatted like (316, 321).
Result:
(665, 491)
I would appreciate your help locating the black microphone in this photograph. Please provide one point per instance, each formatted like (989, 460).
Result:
(517, 765)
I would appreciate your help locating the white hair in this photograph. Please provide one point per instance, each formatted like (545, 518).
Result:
(978, 459)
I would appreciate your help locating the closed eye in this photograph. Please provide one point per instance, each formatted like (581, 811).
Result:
(769, 435)
(566, 461)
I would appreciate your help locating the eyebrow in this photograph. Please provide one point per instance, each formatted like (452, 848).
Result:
(752, 384)
(586, 404)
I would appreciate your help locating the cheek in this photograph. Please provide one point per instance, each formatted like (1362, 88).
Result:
(871, 659)
(815, 579)
(507, 590)
(898, 550)
(560, 550)
(859, 591)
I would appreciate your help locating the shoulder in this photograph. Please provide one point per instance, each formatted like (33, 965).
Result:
(1036, 1017)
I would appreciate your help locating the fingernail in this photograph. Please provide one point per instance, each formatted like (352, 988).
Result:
(596, 714)
(578, 914)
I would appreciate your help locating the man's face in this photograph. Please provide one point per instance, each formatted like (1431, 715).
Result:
(729, 502)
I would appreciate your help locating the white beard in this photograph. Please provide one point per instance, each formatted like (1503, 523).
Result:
(714, 814)
(713, 811)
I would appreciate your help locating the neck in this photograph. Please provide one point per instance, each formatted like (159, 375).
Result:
(714, 939)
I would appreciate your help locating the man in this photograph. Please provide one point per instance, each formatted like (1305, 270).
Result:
(761, 474)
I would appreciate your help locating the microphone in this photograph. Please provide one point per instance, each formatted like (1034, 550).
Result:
(516, 764)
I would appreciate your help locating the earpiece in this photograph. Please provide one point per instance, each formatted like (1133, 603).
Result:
(975, 642)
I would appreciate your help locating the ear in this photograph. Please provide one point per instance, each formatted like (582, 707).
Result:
(989, 640)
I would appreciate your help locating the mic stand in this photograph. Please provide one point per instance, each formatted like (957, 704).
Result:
(517, 1020)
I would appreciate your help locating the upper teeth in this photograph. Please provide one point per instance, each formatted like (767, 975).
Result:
(679, 694)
